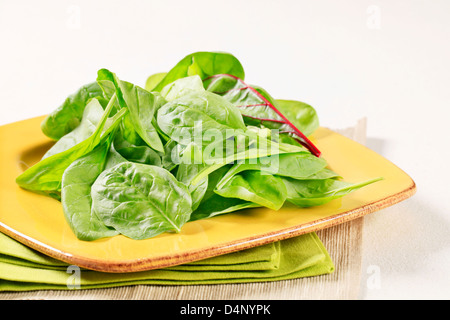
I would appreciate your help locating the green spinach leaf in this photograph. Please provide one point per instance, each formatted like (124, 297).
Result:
(246, 148)
(153, 81)
(141, 201)
(68, 116)
(301, 165)
(185, 174)
(76, 199)
(142, 106)
(181, 87)
(203, 64)
(213, 204)
(46, 175)
(257, 187)
(308, 193)
(136, 153)
(91, 117)
(187, 118)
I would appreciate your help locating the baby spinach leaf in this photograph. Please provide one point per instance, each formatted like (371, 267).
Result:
(141, 153)
(301, 165)
(185, 119)
(218, 205)
(185, 174)
(76, 199)
(114, 158)
(91, 117)
(308, 193)
(203, 64)
(168, 159)
(253, 148)
(255, 186)
(142, 106)
(181, 87)
(141, 201)
(46, 175)
(213, 204)
(153, 81)
(129, 133)
(68, 116)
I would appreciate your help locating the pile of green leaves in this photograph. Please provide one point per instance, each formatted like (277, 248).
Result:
(196, 142)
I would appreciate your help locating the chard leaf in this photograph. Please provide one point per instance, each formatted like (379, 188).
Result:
(302, 115)
(257, 108)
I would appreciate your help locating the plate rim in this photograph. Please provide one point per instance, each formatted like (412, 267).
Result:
(153, 263)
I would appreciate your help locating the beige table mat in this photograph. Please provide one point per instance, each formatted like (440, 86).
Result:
(343, 242)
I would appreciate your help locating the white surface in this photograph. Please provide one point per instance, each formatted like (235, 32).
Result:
(384, 60)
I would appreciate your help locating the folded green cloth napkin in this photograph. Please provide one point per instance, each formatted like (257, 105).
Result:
(24, 269)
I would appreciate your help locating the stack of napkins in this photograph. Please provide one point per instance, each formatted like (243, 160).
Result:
(22, 268)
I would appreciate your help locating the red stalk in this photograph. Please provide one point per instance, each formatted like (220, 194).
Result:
(303, 139)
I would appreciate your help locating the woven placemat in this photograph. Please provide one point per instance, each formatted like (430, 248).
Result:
(343, 242)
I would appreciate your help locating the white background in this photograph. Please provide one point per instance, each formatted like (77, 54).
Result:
(388, 61)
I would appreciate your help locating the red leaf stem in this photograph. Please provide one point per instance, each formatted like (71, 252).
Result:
(303, 139)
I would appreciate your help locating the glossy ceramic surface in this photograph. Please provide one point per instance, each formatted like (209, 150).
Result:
(38, 221)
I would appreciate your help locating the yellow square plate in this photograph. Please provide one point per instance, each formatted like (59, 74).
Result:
(38, 221)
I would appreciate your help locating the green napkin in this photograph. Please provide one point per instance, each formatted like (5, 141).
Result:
(24, 269)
